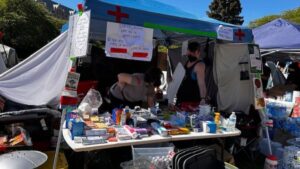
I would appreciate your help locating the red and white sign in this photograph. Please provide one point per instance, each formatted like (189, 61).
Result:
(129, 42)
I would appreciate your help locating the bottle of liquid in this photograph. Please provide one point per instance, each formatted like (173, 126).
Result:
(127, 112)
(123, 117)
(157, 110)
(212, 111)
(271, 162)
(217, 121)
(118, 116)
(231, 122)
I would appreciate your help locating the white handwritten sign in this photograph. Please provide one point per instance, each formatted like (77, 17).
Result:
(129, 42)
(79, 27)
(225, 33)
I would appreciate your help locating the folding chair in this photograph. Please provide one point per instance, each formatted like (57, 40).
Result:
(247, 142)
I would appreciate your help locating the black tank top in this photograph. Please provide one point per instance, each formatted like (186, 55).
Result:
(189, 90)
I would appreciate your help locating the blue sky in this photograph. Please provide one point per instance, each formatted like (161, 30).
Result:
(252, 9)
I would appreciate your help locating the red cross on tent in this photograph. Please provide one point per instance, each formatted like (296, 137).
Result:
(239, 34)
(118, 14)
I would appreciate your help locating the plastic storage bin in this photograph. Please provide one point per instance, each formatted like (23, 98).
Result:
(140, 163)
(151, 152)
(156, 157)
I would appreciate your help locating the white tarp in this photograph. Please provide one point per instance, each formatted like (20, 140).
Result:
(234, 94)
(40, 78)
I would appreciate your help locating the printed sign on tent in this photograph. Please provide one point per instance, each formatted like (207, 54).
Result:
(258, 94)
(225, 33)
(72, 81)
(129, 42)
(78, 34)
(255, 59)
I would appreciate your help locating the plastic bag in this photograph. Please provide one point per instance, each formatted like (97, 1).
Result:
(92, 101)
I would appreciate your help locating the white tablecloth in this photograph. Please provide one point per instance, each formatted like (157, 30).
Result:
(152, 139)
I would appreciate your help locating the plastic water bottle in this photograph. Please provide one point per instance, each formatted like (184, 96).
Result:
(231, 122)
(157, 110)
(123, 117)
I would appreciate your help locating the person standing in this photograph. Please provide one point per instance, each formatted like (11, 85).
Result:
(193, 87)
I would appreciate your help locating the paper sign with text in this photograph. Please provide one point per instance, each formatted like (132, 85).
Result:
(255, 59)
(129, 42)
(72, 81)
(78, 34)
(258, 93)
(225, 33)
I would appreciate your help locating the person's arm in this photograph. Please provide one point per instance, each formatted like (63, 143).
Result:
(200, 71)
(150, 96)
(123, 79)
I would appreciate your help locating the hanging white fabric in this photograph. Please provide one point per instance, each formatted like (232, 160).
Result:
(41, 77)
(234, 94)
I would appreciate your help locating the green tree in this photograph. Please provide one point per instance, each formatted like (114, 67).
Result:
(27, 25)
(263, 20)
(290, 15)
(226, 11)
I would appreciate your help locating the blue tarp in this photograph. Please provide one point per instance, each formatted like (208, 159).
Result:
(278, 34)
(156, 15)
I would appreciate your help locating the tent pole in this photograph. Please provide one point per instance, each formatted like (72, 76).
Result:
(62, 119)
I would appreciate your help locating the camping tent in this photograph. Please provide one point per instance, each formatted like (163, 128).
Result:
(278, 35)
(160, 17)
(40, 78)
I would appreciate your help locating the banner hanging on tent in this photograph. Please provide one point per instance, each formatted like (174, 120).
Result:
(258, 93)
(78, 34)
(129, 42)
(225, 33)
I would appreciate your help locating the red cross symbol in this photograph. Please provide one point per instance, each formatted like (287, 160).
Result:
(118, 14)
(239, 34)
